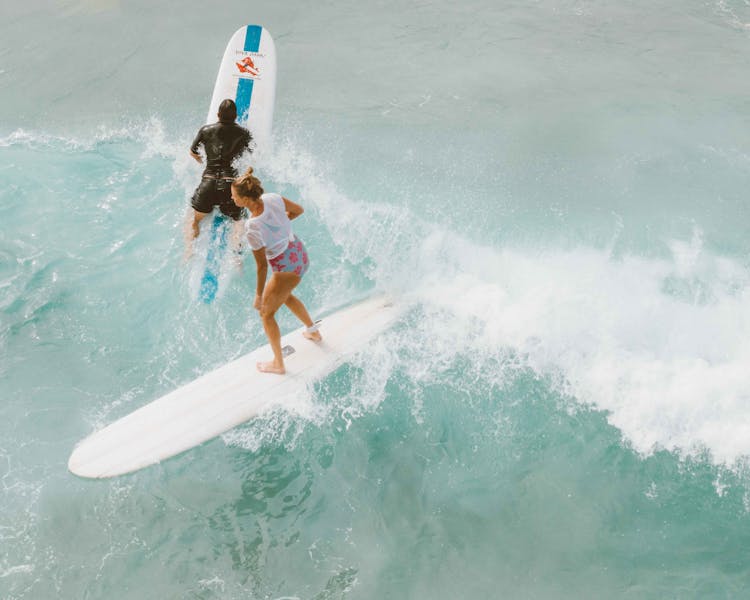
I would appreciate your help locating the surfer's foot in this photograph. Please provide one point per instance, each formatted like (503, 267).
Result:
(270, 367)
(313, 336)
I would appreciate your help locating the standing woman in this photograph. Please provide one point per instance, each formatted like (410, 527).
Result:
(269, 232)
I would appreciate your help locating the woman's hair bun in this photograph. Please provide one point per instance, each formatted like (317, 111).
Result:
(248, 185)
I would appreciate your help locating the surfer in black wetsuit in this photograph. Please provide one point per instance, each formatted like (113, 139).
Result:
(223, 142)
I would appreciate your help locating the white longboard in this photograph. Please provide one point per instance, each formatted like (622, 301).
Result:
(228, 396)
(247, 75)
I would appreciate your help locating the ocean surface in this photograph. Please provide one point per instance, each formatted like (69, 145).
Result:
(557, 190)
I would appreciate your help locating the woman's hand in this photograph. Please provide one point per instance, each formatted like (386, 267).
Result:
(258, 302)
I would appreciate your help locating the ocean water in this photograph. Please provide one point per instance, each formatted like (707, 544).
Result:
(557, 190)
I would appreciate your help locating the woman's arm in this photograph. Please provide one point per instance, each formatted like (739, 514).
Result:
(261, 262)
(293, 210)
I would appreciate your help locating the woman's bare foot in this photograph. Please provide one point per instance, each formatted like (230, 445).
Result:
(313, 336)
(270, 367)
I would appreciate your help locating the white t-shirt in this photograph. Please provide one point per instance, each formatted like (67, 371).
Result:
(271, 229)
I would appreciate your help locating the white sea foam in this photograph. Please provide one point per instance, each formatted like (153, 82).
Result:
(660, 344)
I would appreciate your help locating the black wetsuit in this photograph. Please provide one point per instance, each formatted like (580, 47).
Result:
(223, 142)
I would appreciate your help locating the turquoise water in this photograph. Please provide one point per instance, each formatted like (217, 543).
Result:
(558, 192)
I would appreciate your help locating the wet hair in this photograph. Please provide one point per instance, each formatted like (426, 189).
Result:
(227, 111)
(248, 185)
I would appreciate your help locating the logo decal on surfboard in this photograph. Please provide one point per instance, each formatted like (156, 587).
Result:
(247, 67)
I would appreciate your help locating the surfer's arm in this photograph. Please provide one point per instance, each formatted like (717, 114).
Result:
(261, 263)
(194, 146)
(293, 210)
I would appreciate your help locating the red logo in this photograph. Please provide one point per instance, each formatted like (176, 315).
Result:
(246, 65)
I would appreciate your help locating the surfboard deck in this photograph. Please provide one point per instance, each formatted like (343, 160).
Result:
(228, 396)
(247, 74)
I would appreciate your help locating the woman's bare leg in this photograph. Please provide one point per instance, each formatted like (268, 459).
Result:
(298, 308)
(276, 293)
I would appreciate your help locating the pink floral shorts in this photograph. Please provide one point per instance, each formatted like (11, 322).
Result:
(293, 260)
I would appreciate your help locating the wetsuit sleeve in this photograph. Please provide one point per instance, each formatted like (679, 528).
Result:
(197, 141)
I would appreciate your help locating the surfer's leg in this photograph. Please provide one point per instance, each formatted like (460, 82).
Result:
(276, 292)
(192, 229)
(294, 260)
(234, 212)
(300, 311)
(203, 203)
(235, 243)
(238, 228)
(195, 225)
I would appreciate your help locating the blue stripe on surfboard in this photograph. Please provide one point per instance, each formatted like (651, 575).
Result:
(244, 93)
(216, 246)
(252, 38)
(245, 86)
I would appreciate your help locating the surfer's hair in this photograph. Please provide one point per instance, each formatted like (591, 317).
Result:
(248, 185)
(227, 111)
